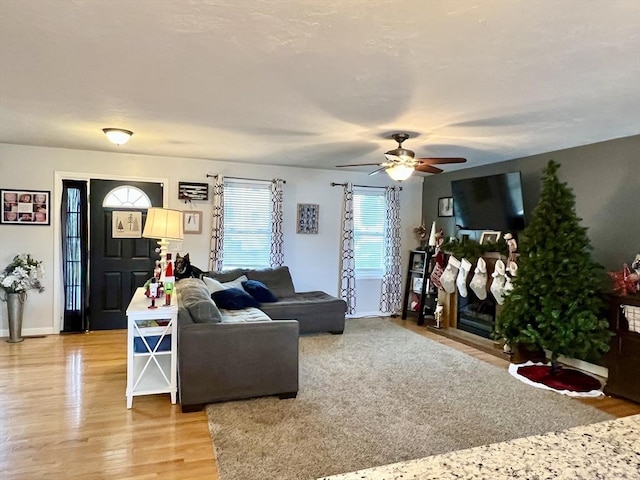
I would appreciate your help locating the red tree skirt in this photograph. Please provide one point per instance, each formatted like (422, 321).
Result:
(563, 379)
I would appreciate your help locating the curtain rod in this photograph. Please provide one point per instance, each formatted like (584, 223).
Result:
(334, 184)
(244, 178)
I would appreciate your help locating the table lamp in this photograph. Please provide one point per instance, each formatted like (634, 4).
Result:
(165, 225)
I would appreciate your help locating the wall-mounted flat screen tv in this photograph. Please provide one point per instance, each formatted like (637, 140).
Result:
(493, 202)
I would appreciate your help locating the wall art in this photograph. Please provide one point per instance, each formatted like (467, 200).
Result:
(189, 191)
(25, 207)
(308, 217)
(192, 221)
(126, 224)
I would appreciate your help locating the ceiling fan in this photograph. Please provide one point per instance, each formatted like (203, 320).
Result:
(401, 162)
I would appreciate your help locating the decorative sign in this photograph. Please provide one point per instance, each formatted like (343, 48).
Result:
(126, 224)
(193, 191)
(308, 217)
(26, 207)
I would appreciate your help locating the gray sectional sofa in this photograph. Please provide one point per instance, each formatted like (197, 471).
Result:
(247, 352)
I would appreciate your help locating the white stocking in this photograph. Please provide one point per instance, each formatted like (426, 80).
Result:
(479, 281)
(461, 279)
(497, 286)
(448, 278)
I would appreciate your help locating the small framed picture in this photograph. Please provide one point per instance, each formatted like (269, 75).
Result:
(126, 224)
(489, 236)
(445, 207)
(192, 222)
(25, 207)
(308, 217)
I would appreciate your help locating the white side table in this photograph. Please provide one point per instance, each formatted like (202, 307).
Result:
(151, 350)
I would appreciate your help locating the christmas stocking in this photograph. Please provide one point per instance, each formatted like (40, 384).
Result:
(448, 278)
(461, 279)
(497, 286)
(438, 270)
(479, 281)
(512, 269)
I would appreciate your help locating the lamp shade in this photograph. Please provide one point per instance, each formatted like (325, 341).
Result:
(400, 172)
(164, 223)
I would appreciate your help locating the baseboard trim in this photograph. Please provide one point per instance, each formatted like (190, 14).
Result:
(598, 370)
(31, 332)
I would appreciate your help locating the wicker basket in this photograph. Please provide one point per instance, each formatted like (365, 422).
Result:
(632, 315)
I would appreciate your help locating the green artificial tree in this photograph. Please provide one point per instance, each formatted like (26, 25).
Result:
(557, 299)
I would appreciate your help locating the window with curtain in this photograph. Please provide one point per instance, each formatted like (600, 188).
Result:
(74, 231)
(369, 213)
(247, 224)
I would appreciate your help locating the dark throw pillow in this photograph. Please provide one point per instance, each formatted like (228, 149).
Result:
(259, 291)
(233, 299)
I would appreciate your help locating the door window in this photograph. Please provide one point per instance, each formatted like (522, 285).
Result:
(126, 196)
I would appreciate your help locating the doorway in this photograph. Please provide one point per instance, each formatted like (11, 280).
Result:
(117, 265)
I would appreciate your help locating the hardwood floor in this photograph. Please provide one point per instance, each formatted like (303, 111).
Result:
(63, 413)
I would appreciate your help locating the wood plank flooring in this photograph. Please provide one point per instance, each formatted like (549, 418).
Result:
(63, 413)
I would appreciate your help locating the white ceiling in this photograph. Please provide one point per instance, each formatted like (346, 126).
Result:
(317, 83)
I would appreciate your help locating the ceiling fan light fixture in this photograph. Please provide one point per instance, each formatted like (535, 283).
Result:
(400, 154)
(118, 136)
(400, 172)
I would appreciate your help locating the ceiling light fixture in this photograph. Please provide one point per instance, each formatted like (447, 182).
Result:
(400, 171)
(118, 136)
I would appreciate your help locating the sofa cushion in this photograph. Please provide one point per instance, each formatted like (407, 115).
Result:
(213, 285)
(244, 315)
(234, 299)
(195, 297)
(228, 275)
(278, 280)
(259, 291)
(236, 283)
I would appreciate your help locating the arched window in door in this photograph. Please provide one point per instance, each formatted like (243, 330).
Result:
(126, 196)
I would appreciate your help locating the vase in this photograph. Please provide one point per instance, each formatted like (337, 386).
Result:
(15, 309)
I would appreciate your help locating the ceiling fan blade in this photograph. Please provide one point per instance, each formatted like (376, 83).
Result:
(428, 169)
(358, 165)
(378, 170)
(441, 160)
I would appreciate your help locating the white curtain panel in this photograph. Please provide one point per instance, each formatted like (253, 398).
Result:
(217, 225)
(348, 264)
(277, 237)
(391, 296)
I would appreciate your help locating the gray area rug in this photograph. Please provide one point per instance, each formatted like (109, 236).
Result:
(376, 395)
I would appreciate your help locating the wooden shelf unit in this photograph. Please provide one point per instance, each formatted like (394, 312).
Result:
(420, 265)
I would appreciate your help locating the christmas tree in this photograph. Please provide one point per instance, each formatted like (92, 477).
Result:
(557, 299)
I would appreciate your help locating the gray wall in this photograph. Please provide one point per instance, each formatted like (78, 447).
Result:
(605, 178)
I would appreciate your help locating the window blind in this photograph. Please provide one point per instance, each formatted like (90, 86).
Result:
(369, 213)
(247, 224)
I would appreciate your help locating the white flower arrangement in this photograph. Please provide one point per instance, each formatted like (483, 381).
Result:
(23, 274)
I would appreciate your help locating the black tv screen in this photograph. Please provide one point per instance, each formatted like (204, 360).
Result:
(493, 202)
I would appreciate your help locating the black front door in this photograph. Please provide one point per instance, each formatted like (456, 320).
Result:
(117, 265)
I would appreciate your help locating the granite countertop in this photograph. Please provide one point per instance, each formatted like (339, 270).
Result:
(605, 450)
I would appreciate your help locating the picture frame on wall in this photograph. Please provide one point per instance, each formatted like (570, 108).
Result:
(192, 222)
(489, 236)
(308, 218)
(126, 224)
(25, 207)
(445, 207)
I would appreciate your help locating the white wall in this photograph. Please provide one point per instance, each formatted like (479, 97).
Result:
(313, 259)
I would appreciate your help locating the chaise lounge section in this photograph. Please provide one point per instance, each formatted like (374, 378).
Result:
(231, 355)
(315, 311)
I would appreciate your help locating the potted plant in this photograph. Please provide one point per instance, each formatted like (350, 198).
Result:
(21, 275)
